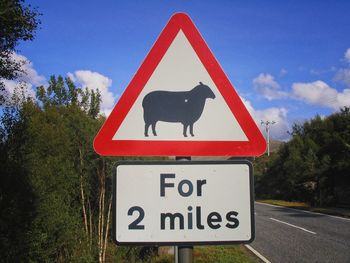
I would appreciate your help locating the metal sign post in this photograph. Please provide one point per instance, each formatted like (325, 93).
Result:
(184, 253)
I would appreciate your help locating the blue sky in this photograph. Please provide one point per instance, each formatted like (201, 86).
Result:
(288, 60)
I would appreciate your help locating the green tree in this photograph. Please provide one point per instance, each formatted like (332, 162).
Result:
(93, 173)
(17, 23)
(313, 166)
(55, 195)
(16, 195)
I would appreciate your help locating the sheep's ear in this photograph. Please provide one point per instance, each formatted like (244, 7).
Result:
(200, 83)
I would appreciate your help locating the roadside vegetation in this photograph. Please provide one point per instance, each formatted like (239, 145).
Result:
(55, 191)
(223, 254)
(329, 210)
(313, 167)
(201, 254)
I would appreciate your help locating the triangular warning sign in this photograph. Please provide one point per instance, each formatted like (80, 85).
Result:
(180, 103)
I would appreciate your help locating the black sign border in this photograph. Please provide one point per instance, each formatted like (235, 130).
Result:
(132, 162)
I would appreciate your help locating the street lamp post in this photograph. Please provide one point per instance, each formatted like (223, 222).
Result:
(267, 129)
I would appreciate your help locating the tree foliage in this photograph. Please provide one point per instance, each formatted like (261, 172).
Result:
(55, 191)
(17, 23)
(314, 165)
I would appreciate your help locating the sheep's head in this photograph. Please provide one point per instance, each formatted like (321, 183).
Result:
(206, 91)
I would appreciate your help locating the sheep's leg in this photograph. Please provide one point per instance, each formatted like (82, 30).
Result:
(146, 129)
(191, 129)
(154, 128)
(185, 130)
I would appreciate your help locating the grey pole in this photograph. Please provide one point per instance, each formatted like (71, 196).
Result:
(176, 257)
(268, 139)
(267, 128)
(184, 253)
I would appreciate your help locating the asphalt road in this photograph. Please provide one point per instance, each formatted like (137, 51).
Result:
(290, 235)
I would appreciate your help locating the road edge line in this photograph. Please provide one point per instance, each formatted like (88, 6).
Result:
(256, 253)
(305, 211)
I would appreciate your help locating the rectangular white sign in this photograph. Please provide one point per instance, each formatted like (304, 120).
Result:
(183, 203)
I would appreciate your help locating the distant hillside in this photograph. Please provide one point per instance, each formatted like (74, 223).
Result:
(274, 145)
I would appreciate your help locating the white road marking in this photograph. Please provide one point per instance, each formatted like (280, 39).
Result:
(301, 228)
(265, 260)
(305, 211)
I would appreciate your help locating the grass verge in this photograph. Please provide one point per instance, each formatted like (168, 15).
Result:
(336, 211)
(214, 254)
(223, 254)
(299, 205)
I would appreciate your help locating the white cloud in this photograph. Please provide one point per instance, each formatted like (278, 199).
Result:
(319, 93)
(279, 130)
(12, 86)
(343, 75)
(27, 80)
(84, 78)
(30, 75)
(347, 55)
(266, 85)
(95, 80)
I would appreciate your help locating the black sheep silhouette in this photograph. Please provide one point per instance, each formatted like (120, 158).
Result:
(185, 107)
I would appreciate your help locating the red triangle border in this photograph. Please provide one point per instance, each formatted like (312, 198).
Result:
(105, 145)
